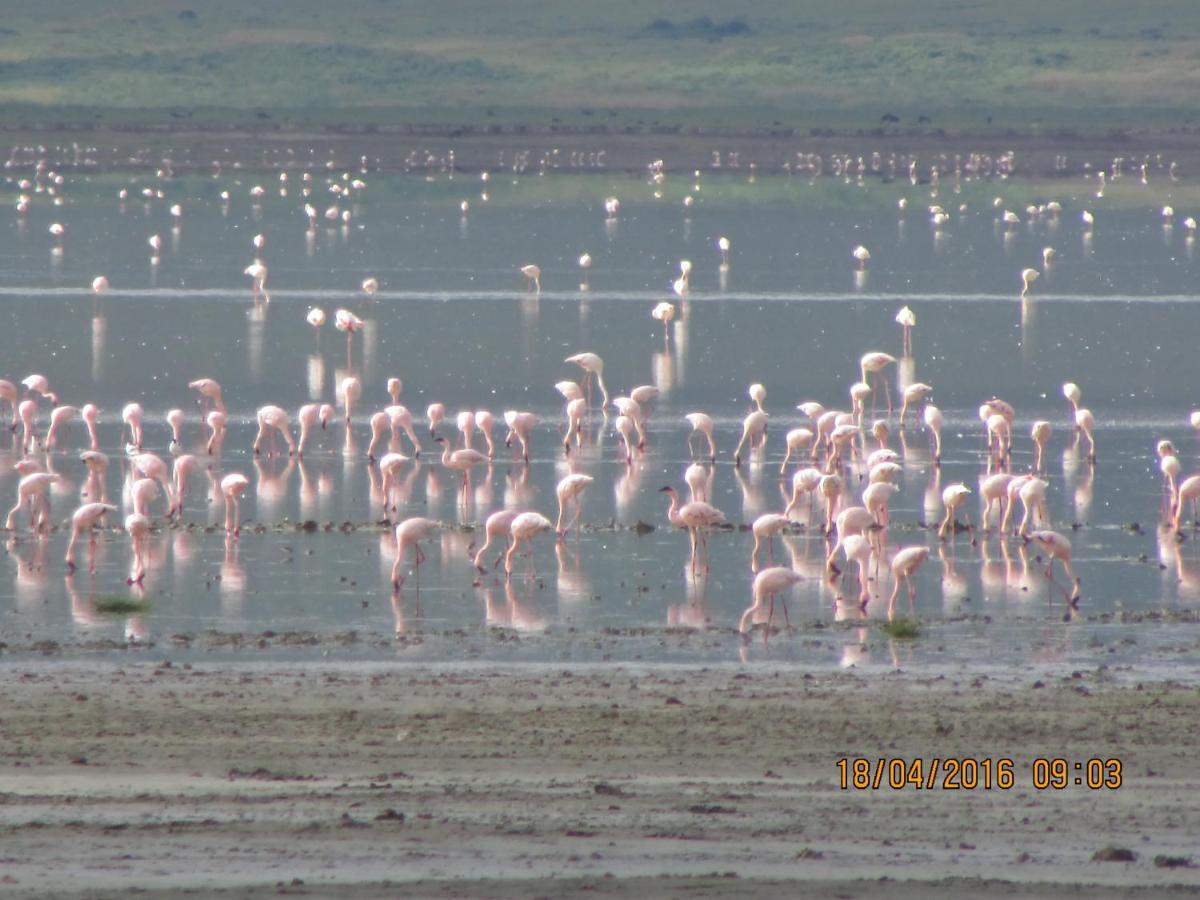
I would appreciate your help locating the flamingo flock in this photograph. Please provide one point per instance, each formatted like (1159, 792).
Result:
(838, 465)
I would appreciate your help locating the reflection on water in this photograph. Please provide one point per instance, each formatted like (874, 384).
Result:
(455, 323)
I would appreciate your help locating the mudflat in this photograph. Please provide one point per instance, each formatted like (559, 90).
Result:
(331, 779)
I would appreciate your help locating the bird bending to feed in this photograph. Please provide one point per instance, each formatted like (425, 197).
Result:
(593, 366)
(570, 488)
(533, 278)
(410, 533)
(754, 427)
(907, 320)
(664, 312)
(523, 529)
(765, 527)
(86, 518)
(702, 424)
(1028, 277)
(768, 584)
(904, 564)
(862, 255)
(233, 486)
(497, 526)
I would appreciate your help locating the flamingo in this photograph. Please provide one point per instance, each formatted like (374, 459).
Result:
(754, 426)
(33, 491)
(698, 478)
(627, 406)
(1073, 394)
(765, 527)
(1189, 489)
(348, 393)
(209, 390)
(497, 526)
(370, 286)
(1085, 422)
(723, 245)
(768, 584)
(576, 410)
(874, 364)
(702, 423)
(175, 419)
(626, 428)
(461, 460)
(1040, 432)
(86, 518)
(523, 529)
(1028, 277)
(484, 421)
(696, 517)
(38, 384)
(862, 256)
(465, 420)
(233, 486)
(1057, 548)
(593, 367)
(310, 416)
(381, 425)
(1032, 494)
(143, 492)
(96, 464)
(933, 421)
(347, 322)
(520, 426)
(664, 312)
(533, 278)
(389, 468)
(9, 394)
(58, 418)
(99, 284)
(257, 271)
(394, 387)
(316, 318)
(435, 413)
(138, 528)
(131, 415)
(915, 393)
(91, 418)
(411, 532)
(797, 440)
(181, 470)
(907, 320)
(402, 420)
(857, 548)
(570, 488)
(273, 419)
(216, 437)
(953, 497)
(904, 564)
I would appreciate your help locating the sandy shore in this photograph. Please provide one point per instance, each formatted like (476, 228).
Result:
(247, 780)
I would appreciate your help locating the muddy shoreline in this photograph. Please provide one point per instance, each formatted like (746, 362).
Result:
(334, 780)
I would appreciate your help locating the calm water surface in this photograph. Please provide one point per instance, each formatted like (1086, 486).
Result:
(1116, 312)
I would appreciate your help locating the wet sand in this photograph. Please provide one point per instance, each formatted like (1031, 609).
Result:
(242, 780)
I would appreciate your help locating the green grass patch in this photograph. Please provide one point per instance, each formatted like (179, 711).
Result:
(902, 629)
(121, 606)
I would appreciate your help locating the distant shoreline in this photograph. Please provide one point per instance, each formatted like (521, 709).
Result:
(410, 146)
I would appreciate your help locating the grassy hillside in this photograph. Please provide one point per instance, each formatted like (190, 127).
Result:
(956, 64)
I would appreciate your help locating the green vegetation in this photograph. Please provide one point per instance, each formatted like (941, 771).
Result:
(121, 606)
(1082, 65)
(902, 629)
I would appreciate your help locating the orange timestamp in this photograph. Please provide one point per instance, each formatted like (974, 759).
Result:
(970, 773)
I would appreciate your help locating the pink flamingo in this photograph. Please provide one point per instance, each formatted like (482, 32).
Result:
(142, 493)
(131, 415)
(904, 564)
(754, 427)
(138, 528)
(59, 418)
(91, 418)
(698, 478)
(309, 416)
(389, 467)
(394, 387)
(27, 410)
(348, 393)
(765, 527)
(9, 395)
(181, 470)
(97, 466)
(402, 420)
(570, 488)
(461, 461)
(576, 411)
(381, 426)
(484, 421)
(797, 440)
(316, 318)
(411, 532)
(626, 429)
(86, 518)
(216, 437)
(233, 486)
(702, 423)
(1189, 489)
(914, 395)
(347, 322)
(874, 364)
(1040, 432)
(696, 517)
(933, 421)
(1085, 422)
(175, 419)
(1057, 547)
(497, 526)
(466, 426)
(33, 491)
(523, 529)
(38, 384)
(210, 394)
(593, 367)
(631, 409)
(257, 271)
(520, 426)
(768, 584)
(435, 413)
(953, 497)
(272, 419)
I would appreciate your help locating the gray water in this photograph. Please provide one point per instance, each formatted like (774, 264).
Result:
(1116, 312)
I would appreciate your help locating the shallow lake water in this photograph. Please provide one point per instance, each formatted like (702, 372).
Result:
(1115, 312)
